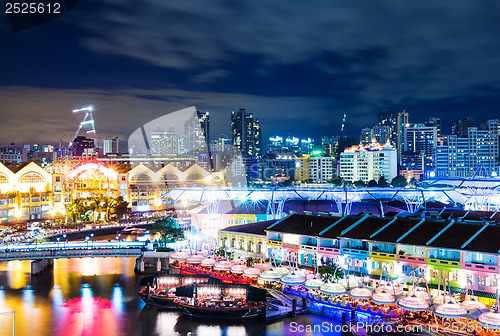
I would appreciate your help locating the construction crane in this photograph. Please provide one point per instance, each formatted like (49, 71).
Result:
(86, 123)
(339, 150)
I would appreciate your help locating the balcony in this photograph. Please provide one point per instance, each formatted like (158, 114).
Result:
(445, 263)
(288, 246)
(383, 255)
(356, 251)
(411, 259)
(476, 266)
(274, 243)
(329, 250)
(308, 247)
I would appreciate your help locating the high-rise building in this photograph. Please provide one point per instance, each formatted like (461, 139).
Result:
(461, 126)
(461, 156)
(246, 133)
(315, 168)
(434, 121)
(166, 143)
(110, 146)
(396, 121)
(369, 162)
(14, 153)
(222, 144)
(306, 146)
(83, 146)
(380, 133)
(419, 138)
(275, 145)
(197, 132)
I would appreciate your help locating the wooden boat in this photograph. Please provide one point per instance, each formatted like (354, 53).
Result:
(160, 290)
(221, 301)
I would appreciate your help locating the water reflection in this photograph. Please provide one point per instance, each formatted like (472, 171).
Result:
(98, 296)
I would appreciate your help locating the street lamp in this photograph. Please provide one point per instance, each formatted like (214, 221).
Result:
(87, 241)
(58, 242)
(92, 236)
(118, 240)
(65, 240)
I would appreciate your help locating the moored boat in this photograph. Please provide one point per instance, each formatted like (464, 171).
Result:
(160, 290)
(221, 301)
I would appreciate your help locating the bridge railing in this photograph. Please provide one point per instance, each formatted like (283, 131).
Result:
(70, 253)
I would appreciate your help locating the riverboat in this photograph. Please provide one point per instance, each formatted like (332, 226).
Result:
(160, 290)
(221, 301)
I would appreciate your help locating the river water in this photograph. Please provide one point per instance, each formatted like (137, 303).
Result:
(98, 296)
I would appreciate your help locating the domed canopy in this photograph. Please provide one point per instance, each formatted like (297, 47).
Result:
(331, 288)
(313, 283)
(252, 272)
(442, 299)
(490, 320)
(202, 253)
(387, 287)
(413, 303)
(262, 267)
(194, 259)
(207, 262)
(223, 265)
(270, 276)
(472, 304)
(239, 261)
(293, 279)
(179, 256)
(383, 298)
(238, 268)
(281, 270)
(361, 293)
(451, 310)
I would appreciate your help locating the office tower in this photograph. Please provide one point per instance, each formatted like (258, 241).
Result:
(420, 140)
(396, 121)
(275, 145)
(461, 156)
(13, 153)
(197, 132)
(369, 162)
(434, 121)
(166, 143)
(380, 133)
(110, 146)
(246, 133)
(306, 146)
(83, 146)
(461, 126)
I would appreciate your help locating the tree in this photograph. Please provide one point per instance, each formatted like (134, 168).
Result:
(372, 183)
(336, 180)
(359, 183)
(119, 207)
(76, 209)
(399, 182)
(169, 230)
(382, 182)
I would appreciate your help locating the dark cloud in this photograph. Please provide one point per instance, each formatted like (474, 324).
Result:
(298, 66)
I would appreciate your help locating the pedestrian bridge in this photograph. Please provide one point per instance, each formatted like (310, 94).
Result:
(70, 250)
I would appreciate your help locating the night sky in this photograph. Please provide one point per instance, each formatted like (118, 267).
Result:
(297, 65)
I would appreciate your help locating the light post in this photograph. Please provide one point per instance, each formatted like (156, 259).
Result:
(92, 241)
(87, 241)
(64, 236)
(118, 240)
(58, 242)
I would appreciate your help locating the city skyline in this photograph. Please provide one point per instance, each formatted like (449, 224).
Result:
(298, 69)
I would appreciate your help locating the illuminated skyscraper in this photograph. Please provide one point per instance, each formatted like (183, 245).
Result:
(246, 133)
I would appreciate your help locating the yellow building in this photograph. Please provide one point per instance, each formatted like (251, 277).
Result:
(246, 240)
(31, 192)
